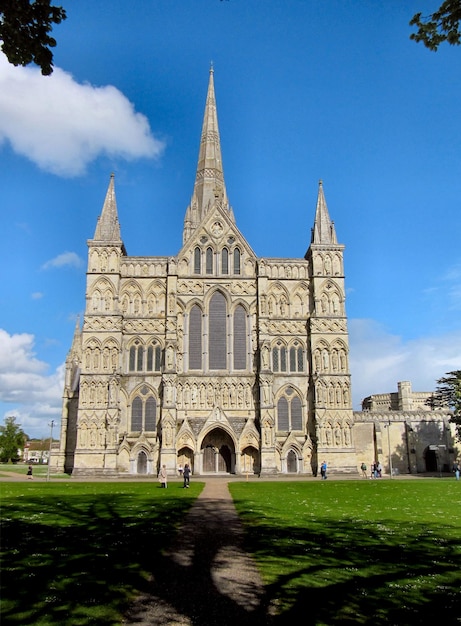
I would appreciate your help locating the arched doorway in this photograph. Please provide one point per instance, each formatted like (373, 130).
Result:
(249, 463)
(141, 466)
(218, 453)
(185, 455)
(292, 462)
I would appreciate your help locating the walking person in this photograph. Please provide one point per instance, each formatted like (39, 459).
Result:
(323, 470)
(29, 473)
(363, 467)
(163, 478)
(186, 474)
(456, 469)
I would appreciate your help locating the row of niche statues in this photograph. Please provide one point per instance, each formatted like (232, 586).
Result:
(102, 301)
(278, 305)
(334, 360)
(98, 394)
(327, 264)
(330, 304)
(334, 435)
(101, 359)
(93, 433)
(332, 395)
(229, 395)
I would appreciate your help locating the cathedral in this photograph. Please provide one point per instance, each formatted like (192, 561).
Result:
(214, 357)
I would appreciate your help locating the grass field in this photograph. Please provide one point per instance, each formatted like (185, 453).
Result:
(350, 552)
(357, 552)
(76, 553)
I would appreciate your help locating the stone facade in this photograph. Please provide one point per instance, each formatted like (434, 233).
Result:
(213, 357)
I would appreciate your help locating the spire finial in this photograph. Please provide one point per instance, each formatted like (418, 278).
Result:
(211, 67)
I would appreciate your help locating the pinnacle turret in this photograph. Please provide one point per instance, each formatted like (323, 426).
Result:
(108, 227)
(324, 229)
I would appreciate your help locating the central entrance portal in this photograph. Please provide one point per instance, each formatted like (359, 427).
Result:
(218, 453)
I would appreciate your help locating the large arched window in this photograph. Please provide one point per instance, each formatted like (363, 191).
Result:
(195, 338)
(143, 411)
(217, 332)
(240, 338)
(289, 411)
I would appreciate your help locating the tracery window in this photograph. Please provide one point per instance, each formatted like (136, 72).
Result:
(136, 357)
(289, 411)
(296, 358)
(143, 411)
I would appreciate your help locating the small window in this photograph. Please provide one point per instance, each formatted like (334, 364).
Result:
(225, 261)
(209, 261)
(197, 261)
(236, 261)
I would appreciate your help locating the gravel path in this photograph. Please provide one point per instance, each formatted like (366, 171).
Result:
(205, 578)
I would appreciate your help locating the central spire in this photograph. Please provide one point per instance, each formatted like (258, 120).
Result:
(209, 187)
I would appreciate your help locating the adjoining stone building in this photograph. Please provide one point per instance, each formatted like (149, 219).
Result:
(213, 357)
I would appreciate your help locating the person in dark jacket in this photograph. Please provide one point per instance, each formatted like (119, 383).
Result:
(186, 475)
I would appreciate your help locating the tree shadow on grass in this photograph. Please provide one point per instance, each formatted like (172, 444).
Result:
(81, 558)
(348, 573)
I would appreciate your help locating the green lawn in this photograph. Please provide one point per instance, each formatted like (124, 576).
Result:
(351, 552)
(357, 552)
(76, 553)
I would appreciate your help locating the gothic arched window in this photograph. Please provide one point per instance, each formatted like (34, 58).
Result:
(197, 261)
(136, 414)
(154, 357)
(209, 261)
(225, 261)
(240, 338)
(195, 338)
(296, 359)
(217, 332)
(279, 357)
(289, 411)
(236, 261)
(143, 411)
(136, 357)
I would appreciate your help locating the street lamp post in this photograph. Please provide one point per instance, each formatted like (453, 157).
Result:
(49, 451)
(389, 445)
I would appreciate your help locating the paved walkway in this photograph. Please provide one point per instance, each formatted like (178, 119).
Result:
(206, 578)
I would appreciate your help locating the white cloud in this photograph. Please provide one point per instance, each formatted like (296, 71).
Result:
(62, 125)
(27, 389)
(37, 295)
(65, 259)
(378, 360)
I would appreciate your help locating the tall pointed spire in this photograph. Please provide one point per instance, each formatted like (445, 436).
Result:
(108, 227)
(324, 229)
(209, 187)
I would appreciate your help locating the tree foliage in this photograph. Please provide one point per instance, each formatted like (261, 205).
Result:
(12, 439)
(442, 25)
(24, 31)
(448, 394)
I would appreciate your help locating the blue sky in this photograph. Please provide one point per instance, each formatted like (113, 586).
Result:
(306, 90)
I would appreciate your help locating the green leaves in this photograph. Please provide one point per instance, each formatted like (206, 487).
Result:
(442, 25)
(25, 28)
